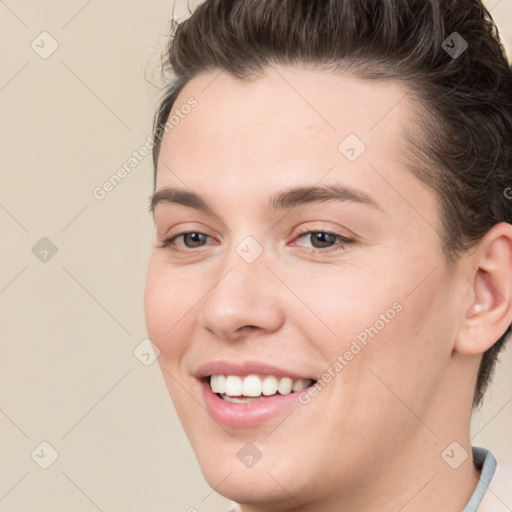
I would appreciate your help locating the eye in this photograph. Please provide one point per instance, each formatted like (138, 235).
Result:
(321, 240)
(191, 239)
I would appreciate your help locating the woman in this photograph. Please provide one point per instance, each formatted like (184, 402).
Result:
(331, 279)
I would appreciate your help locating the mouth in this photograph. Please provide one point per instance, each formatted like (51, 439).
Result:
(246, 394)
(251, 388)
(246, 401)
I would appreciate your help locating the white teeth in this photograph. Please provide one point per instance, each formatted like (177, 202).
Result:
(285, 386)
(235, 400)
(233, 386)
(269, 385)
(298, 385)
(218, 383)
(253, 386)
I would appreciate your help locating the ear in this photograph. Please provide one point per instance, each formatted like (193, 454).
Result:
(490, 312)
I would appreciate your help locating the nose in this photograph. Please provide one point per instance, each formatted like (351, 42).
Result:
(242, 298)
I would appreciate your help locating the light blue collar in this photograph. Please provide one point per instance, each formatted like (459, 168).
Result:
(483, 458)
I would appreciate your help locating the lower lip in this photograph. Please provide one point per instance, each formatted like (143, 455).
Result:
(247, 415)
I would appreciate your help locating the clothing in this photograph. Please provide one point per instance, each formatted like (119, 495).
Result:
(486, 463)
(493, 492)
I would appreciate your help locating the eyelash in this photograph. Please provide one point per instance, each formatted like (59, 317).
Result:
(169, 243)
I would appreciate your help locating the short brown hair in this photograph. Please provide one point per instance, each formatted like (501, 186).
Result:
(463, 148)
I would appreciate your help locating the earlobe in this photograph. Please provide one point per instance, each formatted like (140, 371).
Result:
(490, 313)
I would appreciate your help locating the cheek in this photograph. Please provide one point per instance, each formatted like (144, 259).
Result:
(168, 309)
(405, 338)
(400, 368)
(354, 305)
(409, 356)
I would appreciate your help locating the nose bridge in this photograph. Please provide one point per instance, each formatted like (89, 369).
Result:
(244, 267)
(241, 292)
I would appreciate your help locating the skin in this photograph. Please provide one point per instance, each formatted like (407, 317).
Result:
(372, 439)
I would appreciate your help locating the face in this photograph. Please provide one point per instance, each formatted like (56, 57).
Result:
(304, 260)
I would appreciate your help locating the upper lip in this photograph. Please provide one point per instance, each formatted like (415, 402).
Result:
(246, 368)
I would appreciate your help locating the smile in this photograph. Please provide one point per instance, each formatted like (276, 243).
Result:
(240, 389)
(248, 394)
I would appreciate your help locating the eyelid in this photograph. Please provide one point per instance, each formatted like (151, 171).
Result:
(183, 229)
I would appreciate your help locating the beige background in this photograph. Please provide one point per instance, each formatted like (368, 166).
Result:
(68, 374)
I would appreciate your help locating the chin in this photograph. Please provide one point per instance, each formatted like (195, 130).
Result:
(251, 487)
(234, 469)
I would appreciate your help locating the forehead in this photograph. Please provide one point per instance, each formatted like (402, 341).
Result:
(288, 126)
(287, 109)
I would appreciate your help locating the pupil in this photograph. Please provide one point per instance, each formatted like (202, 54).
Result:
(194, 238)
(324, 238)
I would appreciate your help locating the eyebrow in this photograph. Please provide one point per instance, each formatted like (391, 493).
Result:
(289, 198)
